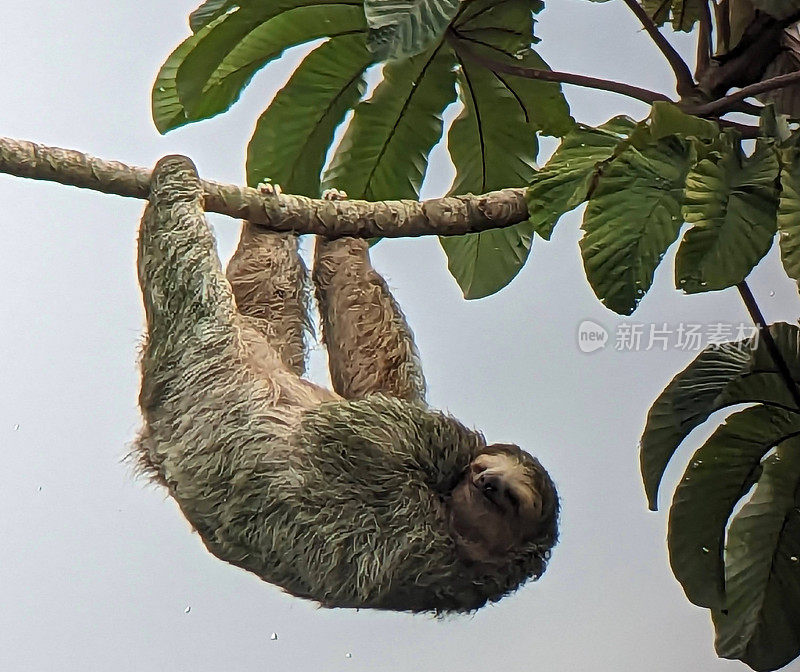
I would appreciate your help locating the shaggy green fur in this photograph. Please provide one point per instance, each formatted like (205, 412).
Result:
(340, 501)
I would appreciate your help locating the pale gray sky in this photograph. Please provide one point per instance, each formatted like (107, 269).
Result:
(97, 570)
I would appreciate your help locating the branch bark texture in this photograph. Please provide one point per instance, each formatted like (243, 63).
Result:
(448, 216)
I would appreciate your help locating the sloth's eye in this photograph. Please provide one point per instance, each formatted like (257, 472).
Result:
(513, 499)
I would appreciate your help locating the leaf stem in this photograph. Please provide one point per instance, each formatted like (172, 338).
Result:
(684, 82)
(772, 347)
(645, 95)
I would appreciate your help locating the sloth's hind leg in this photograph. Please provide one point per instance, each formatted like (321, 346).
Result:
(370, 346)
(269, 281)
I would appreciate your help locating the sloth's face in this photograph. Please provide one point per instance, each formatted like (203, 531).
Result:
(502, 501)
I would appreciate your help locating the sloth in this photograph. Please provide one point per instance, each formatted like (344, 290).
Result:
(361, 496)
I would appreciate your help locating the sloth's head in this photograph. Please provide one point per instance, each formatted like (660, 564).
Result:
(504, 501)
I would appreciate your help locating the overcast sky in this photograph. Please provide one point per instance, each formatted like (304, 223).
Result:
(98, 571)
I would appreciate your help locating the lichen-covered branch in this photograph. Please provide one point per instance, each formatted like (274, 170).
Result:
(448, 216)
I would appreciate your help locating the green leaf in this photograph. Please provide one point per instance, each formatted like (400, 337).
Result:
(761, 622)
(168, 111)
(403, 28)
(657, 10)
(684, 13)
(789, 213)
(633, 216)
(213, 75)
(502, 31)
(208, 11)
(493, 144)
(564, 182)
(772, 124)
(207, 72)
(752, 582)
(384, 151)
(503, 25)
(484, 263)
(732, 202)
(719, 475)
(493, 140)
(668, 119)
(720, 376)
(292, 137)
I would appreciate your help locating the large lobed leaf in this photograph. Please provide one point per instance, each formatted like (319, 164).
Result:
(505, 26)
(404, 28)
(384, 151)
(633, 215)
(721, 376)
(719, 474)
(732, 202)
(751, 581)
(207, 72)
(292, 136)
(760, 623)
(493, 142)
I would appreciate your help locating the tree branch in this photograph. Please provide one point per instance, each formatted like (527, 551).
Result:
(704, 39)
(684, 82)
(745, 63)
(724, 103)
(645, 95)
(448, 216)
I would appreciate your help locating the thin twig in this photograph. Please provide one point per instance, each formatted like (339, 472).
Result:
(772, 347)
(747, 108)
(684, 83)
(645, 95)
(747, 132)
(448, 216)
(722, 105)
